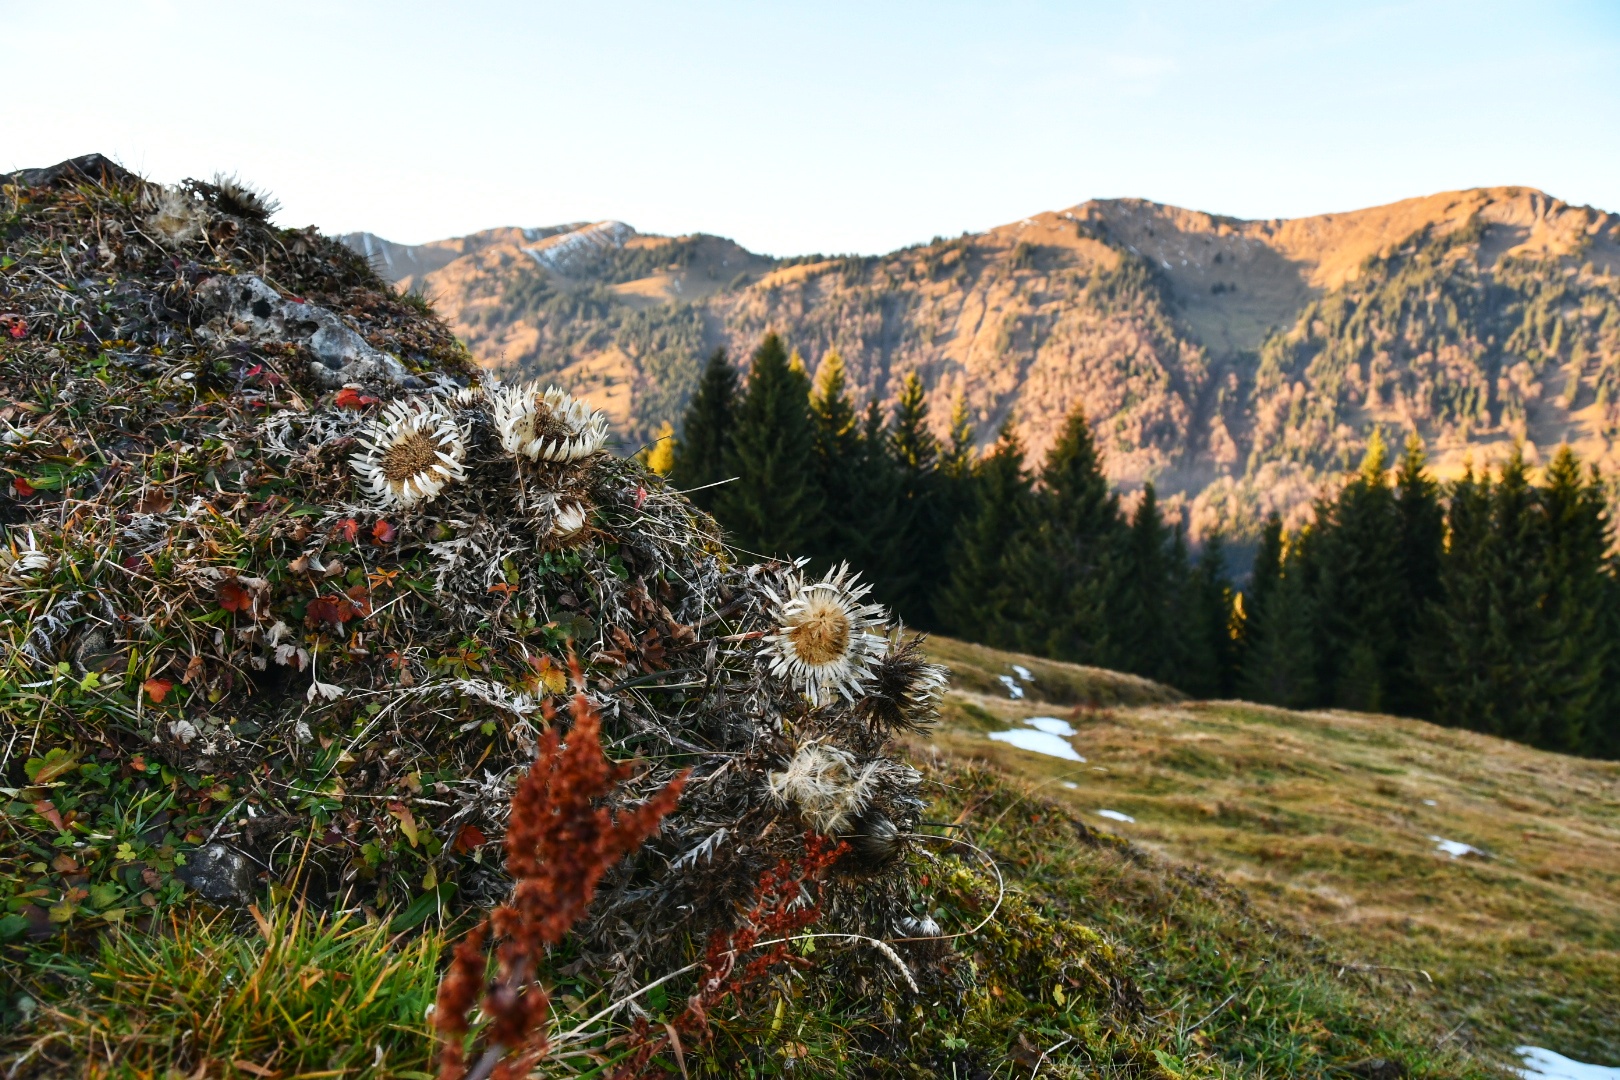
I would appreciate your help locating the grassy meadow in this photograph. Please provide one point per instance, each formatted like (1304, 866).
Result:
(1332, 822)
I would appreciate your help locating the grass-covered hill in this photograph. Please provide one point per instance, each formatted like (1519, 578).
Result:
(1237, 363)
(1474, 878)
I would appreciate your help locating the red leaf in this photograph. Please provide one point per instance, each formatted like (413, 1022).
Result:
(232, 597)
(641, 497)
(157, 689)
(346, 530)
(469, 838)
(382, 533)
(47, 811)
(361, 599)
(15, 325)
(24, 488)
(330, 609)
(350, 398)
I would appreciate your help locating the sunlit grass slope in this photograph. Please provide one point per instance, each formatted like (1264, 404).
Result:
(1334, 821)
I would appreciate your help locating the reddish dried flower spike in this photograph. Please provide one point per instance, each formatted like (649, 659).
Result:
(560, 841)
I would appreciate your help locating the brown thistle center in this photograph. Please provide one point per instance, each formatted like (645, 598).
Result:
(548, 425)
(412, 455)
(821, 635)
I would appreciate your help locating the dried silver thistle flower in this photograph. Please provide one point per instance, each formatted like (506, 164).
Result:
(178, 217)
(411, 453)
(905, 688)
(826, 785)
(549, 425)
(822, 641)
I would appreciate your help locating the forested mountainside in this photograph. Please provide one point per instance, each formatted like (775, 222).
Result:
(1237, 364)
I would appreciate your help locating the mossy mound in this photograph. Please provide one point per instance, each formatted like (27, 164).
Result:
(288, 594)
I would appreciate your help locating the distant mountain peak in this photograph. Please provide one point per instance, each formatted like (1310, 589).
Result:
(1238, 364)
(565, 251)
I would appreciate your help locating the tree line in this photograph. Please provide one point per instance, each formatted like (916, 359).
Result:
(1487, 604)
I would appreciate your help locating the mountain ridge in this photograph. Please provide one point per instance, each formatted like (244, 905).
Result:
(1239, 364)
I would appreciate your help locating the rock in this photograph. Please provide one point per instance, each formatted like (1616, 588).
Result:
(219, 874)
(1377, 1068)
(245, 307)
(89, 168)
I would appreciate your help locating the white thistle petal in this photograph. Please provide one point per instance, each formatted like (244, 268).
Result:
(549, 425)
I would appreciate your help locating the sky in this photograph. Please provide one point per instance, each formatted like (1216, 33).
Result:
(821, 126)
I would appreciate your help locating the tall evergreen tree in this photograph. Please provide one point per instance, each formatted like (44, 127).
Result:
(838, 461)
(923, 541)
(1420, 548)
(1358, 577)
(1263, 580)
(1144, 626)
(978, 601)
(1209, 665)
(1575, 513)
(1060, 567)
(1455, 664)
(1280, 661)
(774, 508)
(702, 453)
(1500, 665)
(956, 472)
(877, 513)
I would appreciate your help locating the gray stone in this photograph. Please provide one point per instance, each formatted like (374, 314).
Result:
(219, 874)
(245, 307)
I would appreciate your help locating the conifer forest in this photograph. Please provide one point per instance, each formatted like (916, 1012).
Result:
(1486, 603)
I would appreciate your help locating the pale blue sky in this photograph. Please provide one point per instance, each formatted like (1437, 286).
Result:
(821, 126)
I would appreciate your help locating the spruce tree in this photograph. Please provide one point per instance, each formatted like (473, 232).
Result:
(956, 458)
(1061, 567)
(923, 541)
(704, 449)
(1280, 662)
(956, 473)
(1209, 664)
(1263, 579)
(1497, 666)
(1455, 662)
(1143, 630)
(1360, 591)
(978, 601)
(838, 461)
(774, 508)
(1420, 549)
(1578, 583)
(877, 513)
